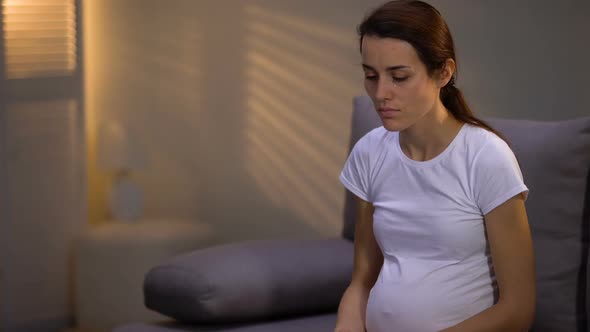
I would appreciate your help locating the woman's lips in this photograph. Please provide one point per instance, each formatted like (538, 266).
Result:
(388, 112)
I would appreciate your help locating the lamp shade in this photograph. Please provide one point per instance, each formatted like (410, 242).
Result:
(116, 151)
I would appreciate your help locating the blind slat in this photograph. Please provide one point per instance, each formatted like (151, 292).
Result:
(37, 58)
(40, 26)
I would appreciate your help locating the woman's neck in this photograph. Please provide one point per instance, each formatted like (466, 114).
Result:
(430, 135)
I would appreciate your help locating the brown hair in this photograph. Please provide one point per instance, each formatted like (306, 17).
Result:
(422, 25)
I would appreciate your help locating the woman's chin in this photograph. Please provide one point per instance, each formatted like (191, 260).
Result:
(392, 125)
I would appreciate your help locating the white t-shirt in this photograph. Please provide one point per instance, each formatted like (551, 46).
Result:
(428, 222)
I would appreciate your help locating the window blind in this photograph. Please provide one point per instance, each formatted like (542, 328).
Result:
(39, 38)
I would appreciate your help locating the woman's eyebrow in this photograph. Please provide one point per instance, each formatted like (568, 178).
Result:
(391, 68)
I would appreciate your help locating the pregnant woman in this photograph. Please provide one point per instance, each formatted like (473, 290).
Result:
(442, 241)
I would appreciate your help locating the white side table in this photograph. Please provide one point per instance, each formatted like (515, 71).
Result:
(112, 260)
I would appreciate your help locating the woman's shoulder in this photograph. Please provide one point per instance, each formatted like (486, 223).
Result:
(485, 146)
(479, 138)
(376, 136)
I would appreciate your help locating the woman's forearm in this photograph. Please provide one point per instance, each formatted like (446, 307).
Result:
(351, 311)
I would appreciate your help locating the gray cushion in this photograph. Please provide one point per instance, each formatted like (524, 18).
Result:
(555, 161)
(320, 323)
(251, 281)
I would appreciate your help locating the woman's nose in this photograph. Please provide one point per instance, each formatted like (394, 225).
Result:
(384, 90)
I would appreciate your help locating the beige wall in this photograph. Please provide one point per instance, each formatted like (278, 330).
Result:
(243, 107)
(241, 133)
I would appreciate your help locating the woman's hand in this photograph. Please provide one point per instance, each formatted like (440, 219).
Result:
(350, 327)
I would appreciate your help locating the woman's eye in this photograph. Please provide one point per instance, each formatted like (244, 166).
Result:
(399, 79)
(371, 77)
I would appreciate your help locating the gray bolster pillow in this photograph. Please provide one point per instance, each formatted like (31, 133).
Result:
(251, 281)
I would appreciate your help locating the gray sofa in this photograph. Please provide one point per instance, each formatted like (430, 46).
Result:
(295, 285)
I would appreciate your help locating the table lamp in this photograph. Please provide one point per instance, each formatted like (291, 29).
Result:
(117, 155)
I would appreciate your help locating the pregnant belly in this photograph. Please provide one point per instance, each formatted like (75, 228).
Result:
(426, 296)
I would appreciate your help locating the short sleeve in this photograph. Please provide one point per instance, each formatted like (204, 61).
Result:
(355, 174)
(497, 176)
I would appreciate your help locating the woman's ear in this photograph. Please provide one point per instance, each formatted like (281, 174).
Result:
(446, 73)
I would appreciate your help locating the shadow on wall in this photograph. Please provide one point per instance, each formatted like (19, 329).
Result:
(297, 99)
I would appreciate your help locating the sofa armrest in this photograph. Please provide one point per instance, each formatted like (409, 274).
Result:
(252, 280)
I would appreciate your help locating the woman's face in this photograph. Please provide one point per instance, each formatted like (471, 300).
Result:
(398, 82)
